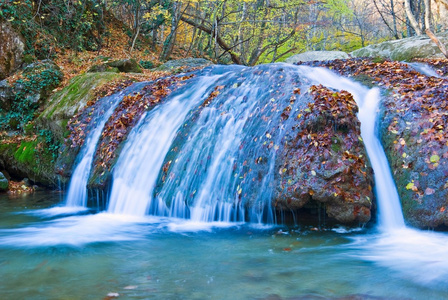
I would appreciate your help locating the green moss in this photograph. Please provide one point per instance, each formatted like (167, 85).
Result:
(26, 153)
(28, 128)
(28, 59)
(78, 92)
(364, 80)
(66, 132)
(337, 144)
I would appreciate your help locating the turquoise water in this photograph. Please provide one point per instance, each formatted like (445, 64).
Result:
(90, 256)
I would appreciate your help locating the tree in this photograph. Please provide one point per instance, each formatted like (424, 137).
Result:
(418, 27)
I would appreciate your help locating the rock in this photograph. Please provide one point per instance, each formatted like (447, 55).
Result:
(103, 68)
(20, 100)
(126, 65)
(28, 159)
(405, 49)
(418, 155)
(11, 49)
(27, 182)
(123, 65)
(6, 95)
(317, 56)
(4, 183)
(332, 171)
(38, 81)
(184, 64)
(64, 104)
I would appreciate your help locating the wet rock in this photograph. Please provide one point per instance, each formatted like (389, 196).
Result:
(11, 49)
(317, 56)
(4, 183)
(415, 141)
(324, 162)
(405, 49)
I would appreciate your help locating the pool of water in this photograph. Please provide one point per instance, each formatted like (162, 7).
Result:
(56, 254)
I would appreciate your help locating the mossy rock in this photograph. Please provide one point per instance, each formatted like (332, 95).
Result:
(29, 159)
(103, 68)
(64, 104)
(126, 65)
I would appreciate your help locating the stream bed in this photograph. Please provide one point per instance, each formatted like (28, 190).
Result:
(80, 255)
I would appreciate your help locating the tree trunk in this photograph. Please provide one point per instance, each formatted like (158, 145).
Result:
(168, 44)
(437, 42)
(411, 17)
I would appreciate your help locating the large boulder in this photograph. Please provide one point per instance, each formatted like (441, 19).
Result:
(4, 183)
(184, 64)
(405, 49)
(324, 162)
(64, 104)
(317, 56)
(38, 81)
(412, 125)
(12, 46)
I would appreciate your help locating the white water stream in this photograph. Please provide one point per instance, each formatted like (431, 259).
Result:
(137, 169)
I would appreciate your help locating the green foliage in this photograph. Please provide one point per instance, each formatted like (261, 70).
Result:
(36, 83)
(339, 8)
(46, 25)
(146, 64)
(52, 145)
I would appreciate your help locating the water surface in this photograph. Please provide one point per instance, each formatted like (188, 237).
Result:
(88, 256)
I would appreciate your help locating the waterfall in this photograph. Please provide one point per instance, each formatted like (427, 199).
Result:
(390, 215)
(208, 151)
(77, 191)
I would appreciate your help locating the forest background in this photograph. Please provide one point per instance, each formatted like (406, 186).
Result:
(245, 32)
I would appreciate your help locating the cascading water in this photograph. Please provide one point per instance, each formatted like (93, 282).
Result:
(77, 191)
(193, 156)
(137, 169)
(205, 153)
